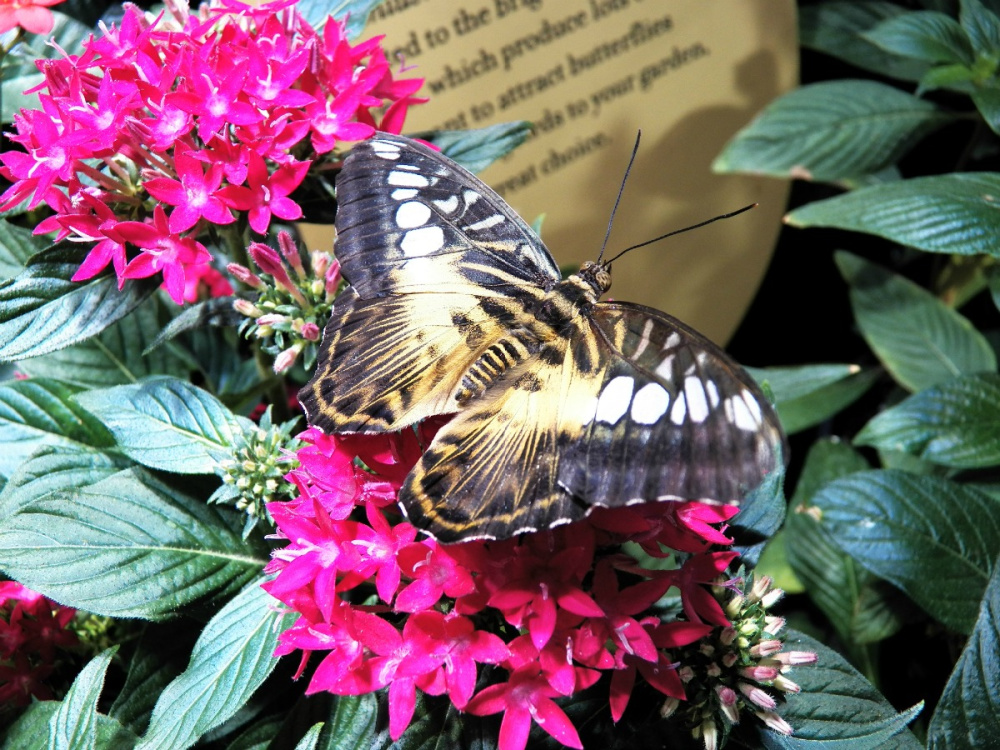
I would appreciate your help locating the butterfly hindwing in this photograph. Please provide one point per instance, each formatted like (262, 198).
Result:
(408, 221)
(674, 417)
(633, 407)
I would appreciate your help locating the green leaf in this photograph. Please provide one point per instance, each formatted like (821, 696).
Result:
(831, 131)
(74, 724)
(310, 739)
(930, 537)
(352, 723)
(837, 707)
(923, 35)
(127, 546)
(355, 12)
(16, 246)
(967, 715)
(847, 593)
(761, 515)
(217, 311)
(54, 468)
(233, 657)
(31, 730)
(477, 149)
(954, 424)
(836, 28)
(41, 310)
(987, 101)
(115, 356)
(20, 73)
(920, 340)
(158, 659)
(982, 26)
(166, 424)
(953, 213)
(43, 412)
(805, 396)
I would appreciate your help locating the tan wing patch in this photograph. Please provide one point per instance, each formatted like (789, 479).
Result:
(493, 471)
(392, 361)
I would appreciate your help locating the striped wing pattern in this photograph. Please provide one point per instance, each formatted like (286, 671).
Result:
(562, 403)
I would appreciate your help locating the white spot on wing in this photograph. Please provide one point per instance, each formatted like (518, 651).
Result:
(713, 393)
(424, 241)
(673, 340)
(490, 221)
(697, 402)
(402, 194)
(614, 399)
(470, 196)
(666, 368)
(385, 149)
(743, 411)
(407, 179)
(448, 205)
(679, 411)
(412, 214)
(650, 403)
(644, 341)
(589, 410)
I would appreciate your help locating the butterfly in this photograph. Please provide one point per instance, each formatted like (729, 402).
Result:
(561, 402)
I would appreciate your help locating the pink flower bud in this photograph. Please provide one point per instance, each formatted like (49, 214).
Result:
(247, 308)
(310, 332)
(757, 696)
(245, 275)
(332, 279)
(759, 674)
(291, 253)
(766, 648)
(775, 722)
(796, 657)
(727, 700)
(287, 358)
(785, 685)
(270, 319)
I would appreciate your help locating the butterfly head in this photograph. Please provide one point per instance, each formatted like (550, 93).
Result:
(597, 275)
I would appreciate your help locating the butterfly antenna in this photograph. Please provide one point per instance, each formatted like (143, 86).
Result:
(730, 215)
(631, 161)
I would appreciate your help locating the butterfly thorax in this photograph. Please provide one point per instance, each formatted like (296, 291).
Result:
(553, 320)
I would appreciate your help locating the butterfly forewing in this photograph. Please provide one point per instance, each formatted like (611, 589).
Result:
(408, 221)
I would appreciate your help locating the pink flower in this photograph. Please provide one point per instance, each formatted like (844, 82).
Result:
(31, 15)
(194, 193)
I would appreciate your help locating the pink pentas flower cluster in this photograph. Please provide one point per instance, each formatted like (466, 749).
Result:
(32, 629)
(33, 16)
(389, 608)
(164, 128)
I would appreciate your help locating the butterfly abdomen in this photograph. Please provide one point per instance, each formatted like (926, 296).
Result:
(505, 354)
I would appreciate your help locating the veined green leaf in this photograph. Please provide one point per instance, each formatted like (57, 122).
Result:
(920, 340)
(42, 412)
(982, 26)
(115, 356)
(953, 213)
(837, 708)
(31, 730)
(17, 244)
(836, 28)
(848, 594)
(74, 724)
(166, 424)
(831, 131)
(127, 546)
(477, 149)
(158, 658)
(924, 35)
(954, 424)
(934, 539)
(805, 396)
(967, 715)
(232, 658)
(42, 310)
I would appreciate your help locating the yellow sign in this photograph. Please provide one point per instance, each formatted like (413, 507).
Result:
(589, 74)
